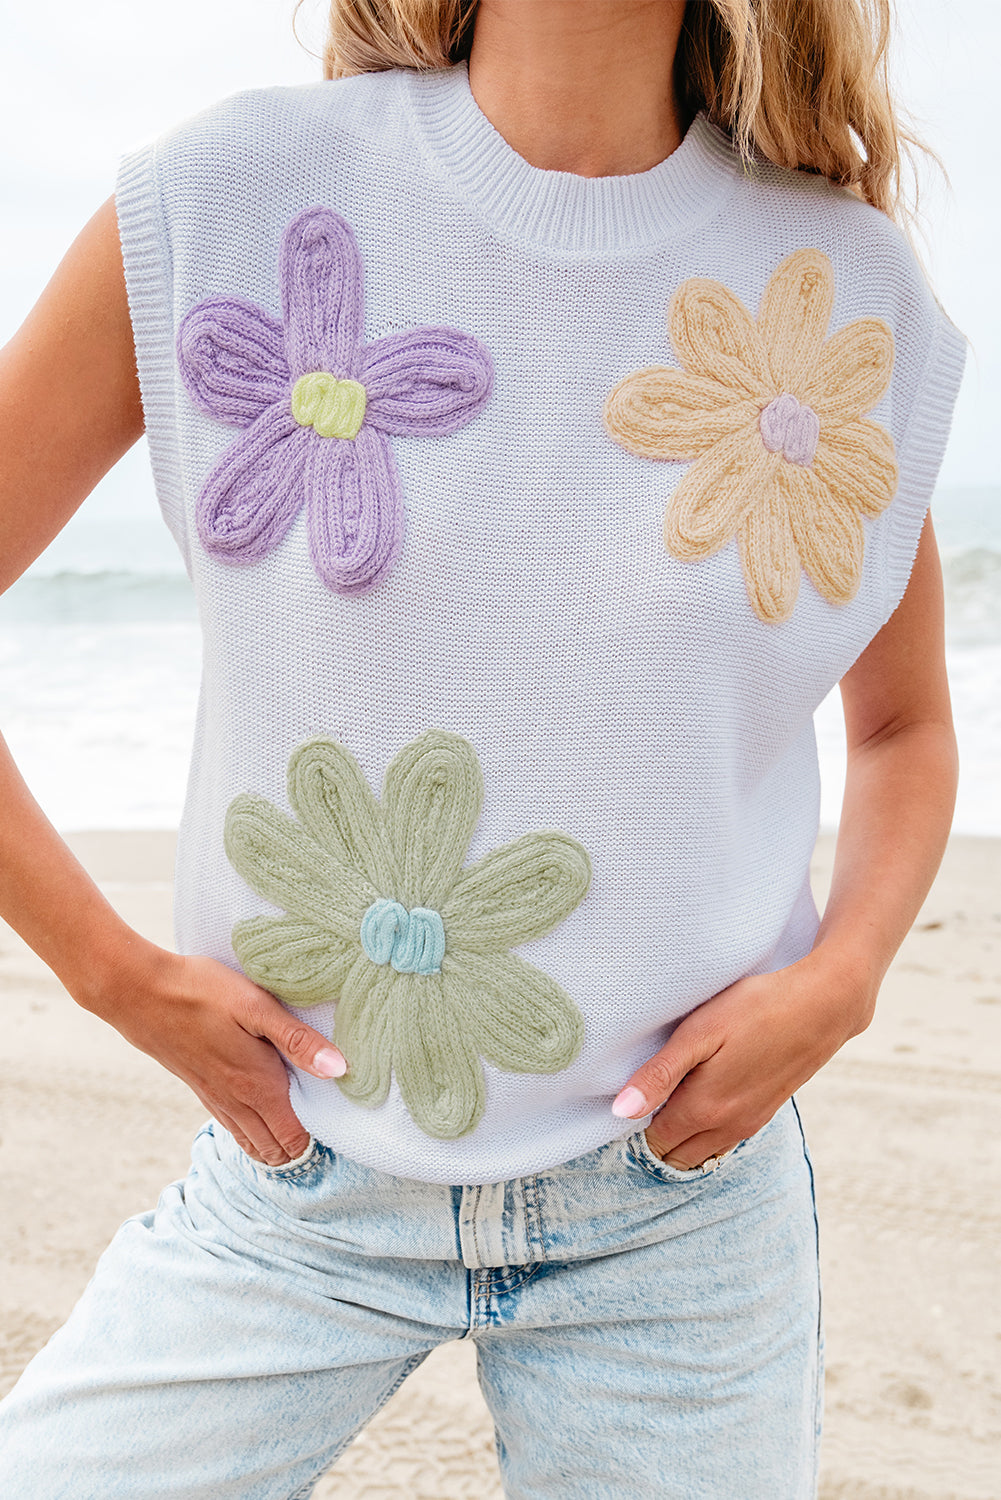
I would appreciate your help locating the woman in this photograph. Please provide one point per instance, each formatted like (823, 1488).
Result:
(543, 446)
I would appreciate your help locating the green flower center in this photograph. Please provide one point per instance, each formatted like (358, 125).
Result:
(335, 408)
(412, 941)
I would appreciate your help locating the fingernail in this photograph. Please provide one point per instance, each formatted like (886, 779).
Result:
(329, 1063)
(630, 1104)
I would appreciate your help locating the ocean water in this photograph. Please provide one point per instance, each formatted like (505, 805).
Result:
(99, 667)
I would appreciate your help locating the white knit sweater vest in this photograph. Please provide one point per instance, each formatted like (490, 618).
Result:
(610, 661)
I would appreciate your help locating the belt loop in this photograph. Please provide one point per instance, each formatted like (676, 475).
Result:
(497, 1223)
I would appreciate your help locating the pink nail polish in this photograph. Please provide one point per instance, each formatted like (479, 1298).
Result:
(630, 1104)
(329, 1063)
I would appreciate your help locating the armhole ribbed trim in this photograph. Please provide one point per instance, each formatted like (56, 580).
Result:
(920, 455)
(149, 284)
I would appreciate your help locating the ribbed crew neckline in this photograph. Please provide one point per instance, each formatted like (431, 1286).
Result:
(562, 211)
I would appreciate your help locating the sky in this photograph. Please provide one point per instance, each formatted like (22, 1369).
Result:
(82, 83)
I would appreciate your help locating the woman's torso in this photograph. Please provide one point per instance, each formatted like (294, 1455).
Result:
(631, 700)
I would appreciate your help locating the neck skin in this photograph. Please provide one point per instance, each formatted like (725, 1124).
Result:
(582, 86)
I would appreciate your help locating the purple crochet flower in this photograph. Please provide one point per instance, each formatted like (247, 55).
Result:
(318, 408)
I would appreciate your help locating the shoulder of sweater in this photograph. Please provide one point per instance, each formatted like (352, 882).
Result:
(810, 203)
(289, 117)
(876, 267)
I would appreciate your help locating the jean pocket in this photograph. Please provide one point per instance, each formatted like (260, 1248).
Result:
(645, 1157)
(299, 1166)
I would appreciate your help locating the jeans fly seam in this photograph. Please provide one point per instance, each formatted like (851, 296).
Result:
(481, 1287)
(578, 1323)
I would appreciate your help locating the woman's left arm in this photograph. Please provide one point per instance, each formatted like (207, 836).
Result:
(733, 1061)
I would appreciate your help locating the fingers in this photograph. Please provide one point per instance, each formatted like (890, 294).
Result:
(252, 1102)
(259, 1103)
(689, 1153)
(306, 1048)
(245, 1142)
(688, 1124)
(228, 1039)
(275, 1144)
(258, 1100)
(707, 1115)
(654, 1083)
(255, 1137)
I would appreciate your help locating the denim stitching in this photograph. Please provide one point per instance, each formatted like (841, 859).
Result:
(480, 1297)
(655, 1168)
(408, 1369)
(513, 1277)
(652, 1165)
(474, 1217)
(533, 1212)
(304, 1494)
(818, 1382)
(289, 1173)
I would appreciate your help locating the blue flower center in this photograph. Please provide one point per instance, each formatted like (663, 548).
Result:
(412, 941)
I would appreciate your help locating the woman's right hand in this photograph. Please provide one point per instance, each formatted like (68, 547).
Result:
(70, 406)
(225, 1038)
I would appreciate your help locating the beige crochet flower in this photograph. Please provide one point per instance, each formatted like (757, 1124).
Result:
(773, 418)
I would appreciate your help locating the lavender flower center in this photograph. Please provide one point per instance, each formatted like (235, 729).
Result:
(790, 428)
(334, 408)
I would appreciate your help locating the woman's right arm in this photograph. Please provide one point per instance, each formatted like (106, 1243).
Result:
(69, 408)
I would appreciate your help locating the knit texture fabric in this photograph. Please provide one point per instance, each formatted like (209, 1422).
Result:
(311, 371)
(382, 913)
(646, 690)
(772, 417)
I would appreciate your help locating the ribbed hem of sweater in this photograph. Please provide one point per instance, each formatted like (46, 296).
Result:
(561, 211)
(921, 454)
(148, 281)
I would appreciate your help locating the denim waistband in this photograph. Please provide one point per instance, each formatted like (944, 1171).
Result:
(594, 1204)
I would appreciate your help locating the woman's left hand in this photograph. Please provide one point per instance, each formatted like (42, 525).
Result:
(733, 1061)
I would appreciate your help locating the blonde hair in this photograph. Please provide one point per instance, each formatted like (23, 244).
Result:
(802, 83)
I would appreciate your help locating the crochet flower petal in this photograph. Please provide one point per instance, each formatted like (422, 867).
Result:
(321, 283)
(427, 382)
(409, 993)
(363, 1030)
(857, 462)
(793, 317)
(770, 559)
(852, 372)
(713, 497)
(301, 963)
(255, 491)
(335, 804)
(517, 1017)
(827, 532)
(431, 800)
(438, 1072)
(231, 356)
(713, 336)
(665, 414)
(354, 510)
(281, 862)
(517, 892)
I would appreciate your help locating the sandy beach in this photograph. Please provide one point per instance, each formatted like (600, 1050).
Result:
(903, 1127)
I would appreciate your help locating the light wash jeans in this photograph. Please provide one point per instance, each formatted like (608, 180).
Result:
(641, 1332)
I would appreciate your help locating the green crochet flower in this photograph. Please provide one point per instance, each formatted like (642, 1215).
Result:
(381, 912)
